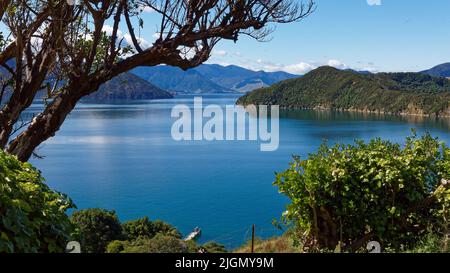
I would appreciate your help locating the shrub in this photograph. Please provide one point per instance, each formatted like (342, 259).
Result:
(432, 243)
(116, 246)
(134, 229)
(213, 247)
(143, 227)
(166, 229)
(165, 244)
(97, 228)
(158, 244)
(377, 190)
(32, 216)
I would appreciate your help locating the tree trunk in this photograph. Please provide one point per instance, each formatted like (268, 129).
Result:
(47, 123)
(327, 235)
(23, 96)
(42, 127)
(3, 6)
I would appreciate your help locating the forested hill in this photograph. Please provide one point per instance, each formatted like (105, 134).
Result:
(330, 88)
(442, 70)
(128, 87)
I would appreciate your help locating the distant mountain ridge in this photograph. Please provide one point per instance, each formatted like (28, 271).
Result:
(241, 79)
(209, 78)
(125, 86)
(176, 80)
(330, 88)
(442, 70)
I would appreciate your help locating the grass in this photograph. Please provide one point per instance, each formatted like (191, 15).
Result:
(282, 244)
(431, 243)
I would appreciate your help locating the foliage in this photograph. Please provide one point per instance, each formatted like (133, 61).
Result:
(330, 88)
(32, 216)
(432, 243)
(213, 247)
(377, 190)
(280, 244)
(158, 244)
(164, 244)
(116, 246)
(166, 229)
(95, 49)
(134, 229)
(97, 228)
(145, 236)
(143, 227)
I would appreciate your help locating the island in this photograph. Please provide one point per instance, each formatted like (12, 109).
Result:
(328, 88)
(128, 86)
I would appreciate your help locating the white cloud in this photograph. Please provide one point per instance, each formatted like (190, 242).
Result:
(298, 68)
(220, 53)
(337, 64)
(142, 42)
(374, 2)
(294, 68)
(302, 68)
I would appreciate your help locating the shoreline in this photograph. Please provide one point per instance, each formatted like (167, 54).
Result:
(363, 111)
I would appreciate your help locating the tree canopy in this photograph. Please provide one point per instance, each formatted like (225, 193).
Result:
(68, 51)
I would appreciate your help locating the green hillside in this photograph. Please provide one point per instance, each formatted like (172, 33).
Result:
(330, 88)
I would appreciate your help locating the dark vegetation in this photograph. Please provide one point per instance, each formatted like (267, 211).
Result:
(33, 218)
(341, 197)
(344, 196)
(101, 231)
(330, 88)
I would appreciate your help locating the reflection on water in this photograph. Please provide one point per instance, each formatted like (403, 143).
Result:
(121, 156)
(338, 116)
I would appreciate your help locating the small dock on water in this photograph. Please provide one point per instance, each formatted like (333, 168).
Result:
(194, 234)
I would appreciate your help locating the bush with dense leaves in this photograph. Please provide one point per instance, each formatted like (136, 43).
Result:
(369, 191)
(134, 229)
(160, 243)
(143, 227)
(96, 228)
(145, 236)
(213, 247)
(32, 216)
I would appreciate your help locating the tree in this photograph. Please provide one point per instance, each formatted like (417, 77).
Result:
(159, 244)
(143, 227)
(74, 44)
(135, 229)
(97, 228)
(351, 194)
(30, 58)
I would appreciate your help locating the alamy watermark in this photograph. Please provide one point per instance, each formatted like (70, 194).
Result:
(229, 123)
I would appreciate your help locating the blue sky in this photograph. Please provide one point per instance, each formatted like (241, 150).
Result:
(376, 35)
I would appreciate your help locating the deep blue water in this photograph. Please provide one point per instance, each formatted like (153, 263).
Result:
(122, 157)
